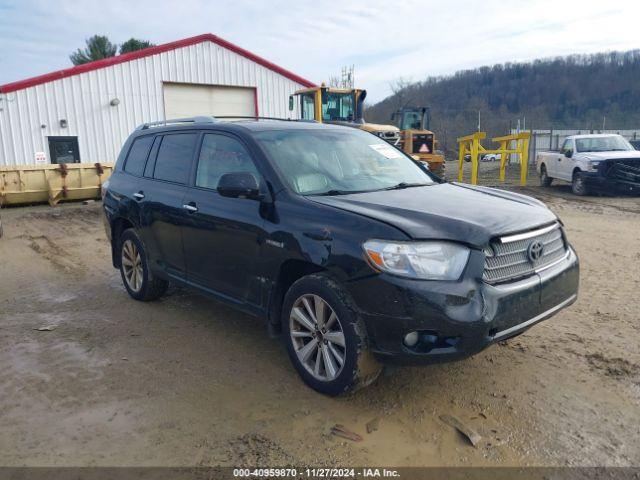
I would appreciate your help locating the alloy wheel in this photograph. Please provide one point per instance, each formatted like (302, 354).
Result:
(132, 265)
(317, 337)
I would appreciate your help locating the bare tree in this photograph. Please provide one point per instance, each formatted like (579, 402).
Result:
(400, 92)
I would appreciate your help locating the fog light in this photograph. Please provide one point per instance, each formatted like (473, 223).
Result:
(410, 339)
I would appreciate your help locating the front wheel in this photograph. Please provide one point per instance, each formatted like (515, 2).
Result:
(139, 281)
(545, 179)
(326, 341)
(578, 184)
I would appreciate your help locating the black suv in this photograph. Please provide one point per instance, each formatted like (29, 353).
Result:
(350, 249)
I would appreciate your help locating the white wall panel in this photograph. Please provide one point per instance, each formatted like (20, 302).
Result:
(30, 115)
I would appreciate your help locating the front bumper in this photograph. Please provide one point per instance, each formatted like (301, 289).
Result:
(458, 319)
(598, 182)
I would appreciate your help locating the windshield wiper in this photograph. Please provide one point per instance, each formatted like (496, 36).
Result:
(334, 192)
(402, 185)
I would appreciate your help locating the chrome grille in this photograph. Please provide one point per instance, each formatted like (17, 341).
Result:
(509, 257)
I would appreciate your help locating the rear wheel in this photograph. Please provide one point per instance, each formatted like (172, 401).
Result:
(326, 341)
(139, 281)
(578, 184)
(545, 180)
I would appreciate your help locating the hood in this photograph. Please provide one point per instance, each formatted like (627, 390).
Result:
(609, 155)
(447, 211)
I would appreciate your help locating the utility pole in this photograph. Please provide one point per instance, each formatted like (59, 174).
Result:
(478, 120)
(604, 122)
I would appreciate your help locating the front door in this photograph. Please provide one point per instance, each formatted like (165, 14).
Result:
(564, 165)
(64, 150)
(221, 238)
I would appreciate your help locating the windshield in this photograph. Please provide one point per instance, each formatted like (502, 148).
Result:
(334, 162)
(602, 144)
(411, 121)
(337, 106)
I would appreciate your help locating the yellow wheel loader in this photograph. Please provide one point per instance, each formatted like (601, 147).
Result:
(341, 106)
(416, 139)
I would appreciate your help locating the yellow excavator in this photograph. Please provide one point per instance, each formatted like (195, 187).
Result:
(341, 106)
(416, 139)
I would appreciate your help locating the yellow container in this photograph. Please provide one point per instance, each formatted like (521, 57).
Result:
(52, 183)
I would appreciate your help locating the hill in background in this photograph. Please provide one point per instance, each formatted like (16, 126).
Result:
(578, 91)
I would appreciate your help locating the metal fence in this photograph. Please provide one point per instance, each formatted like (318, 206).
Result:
(545, 140)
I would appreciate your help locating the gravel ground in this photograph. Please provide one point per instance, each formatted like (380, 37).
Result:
(186, 381)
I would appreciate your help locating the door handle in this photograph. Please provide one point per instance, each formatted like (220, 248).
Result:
(138, 195)
(560, 159)
(190, 207)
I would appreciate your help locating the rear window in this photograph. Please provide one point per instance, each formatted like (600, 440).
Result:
(173, 162)
(137, 156)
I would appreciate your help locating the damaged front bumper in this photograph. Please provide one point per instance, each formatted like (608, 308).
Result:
(616, 176)
(455, 320)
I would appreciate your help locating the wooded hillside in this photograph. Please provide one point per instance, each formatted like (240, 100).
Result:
(578, 91)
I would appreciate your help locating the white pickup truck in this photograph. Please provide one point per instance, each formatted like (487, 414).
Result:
(592, 162)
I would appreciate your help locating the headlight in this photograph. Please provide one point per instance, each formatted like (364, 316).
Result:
(423, 260)
(594, 165)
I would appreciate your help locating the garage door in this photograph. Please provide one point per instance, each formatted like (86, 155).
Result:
(186, 100)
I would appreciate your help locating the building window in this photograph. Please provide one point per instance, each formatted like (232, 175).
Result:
(64, 150)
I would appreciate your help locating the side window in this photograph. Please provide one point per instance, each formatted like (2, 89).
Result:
(173, 162)
(308, 106)
(219, 155)
(138, 154)
(566, 146)
(151, 162)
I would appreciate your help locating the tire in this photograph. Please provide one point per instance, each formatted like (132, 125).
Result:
(578, 185)
(545, 180)
(322, 370)
(139, 281)
(438, 169)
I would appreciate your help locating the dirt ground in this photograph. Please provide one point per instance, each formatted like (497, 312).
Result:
(186, 381)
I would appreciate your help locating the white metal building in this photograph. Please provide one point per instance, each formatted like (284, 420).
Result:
(84, 114)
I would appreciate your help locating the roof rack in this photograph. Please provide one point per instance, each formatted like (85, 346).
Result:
(253, 117)
(162, 123)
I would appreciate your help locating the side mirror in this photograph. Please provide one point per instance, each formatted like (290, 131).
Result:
(291, 102)
(239, 185)
(568, 153)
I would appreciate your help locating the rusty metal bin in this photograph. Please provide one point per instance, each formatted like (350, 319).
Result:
(52, 183)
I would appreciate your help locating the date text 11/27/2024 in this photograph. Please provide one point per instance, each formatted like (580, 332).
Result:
(316, 472)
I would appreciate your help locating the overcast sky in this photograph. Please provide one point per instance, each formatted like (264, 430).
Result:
(384, 39)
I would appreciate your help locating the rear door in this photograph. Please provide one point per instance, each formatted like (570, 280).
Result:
(222, 236)
(164, 212)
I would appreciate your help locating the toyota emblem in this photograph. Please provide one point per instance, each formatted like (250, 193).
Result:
(535, 251)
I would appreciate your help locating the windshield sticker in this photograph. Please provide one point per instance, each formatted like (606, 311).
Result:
(387, 150)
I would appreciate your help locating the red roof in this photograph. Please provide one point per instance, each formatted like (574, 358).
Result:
(127, 57)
